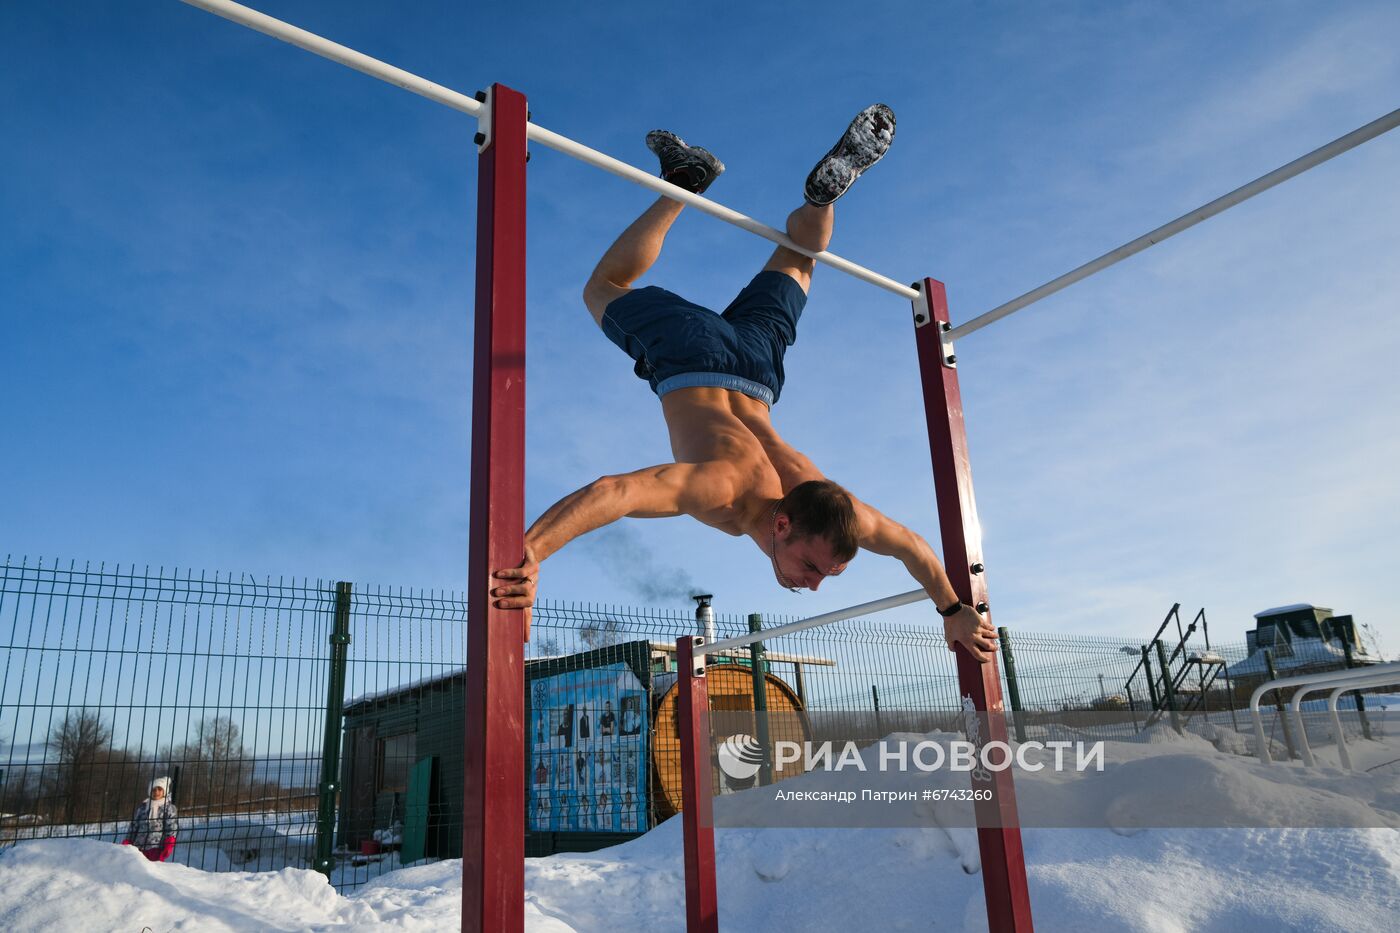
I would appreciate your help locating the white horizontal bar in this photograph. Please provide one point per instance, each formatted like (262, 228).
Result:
(646, 180)
(311, 42)
(812, 660)
(277, 29)
(840, 615)
(1263, 183)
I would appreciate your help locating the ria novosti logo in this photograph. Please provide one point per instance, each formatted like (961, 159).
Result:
(740, 757)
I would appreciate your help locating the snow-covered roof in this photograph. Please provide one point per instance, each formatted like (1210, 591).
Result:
(404, 687)
(1279, 610)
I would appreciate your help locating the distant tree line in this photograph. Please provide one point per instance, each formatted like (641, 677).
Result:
(85, 778)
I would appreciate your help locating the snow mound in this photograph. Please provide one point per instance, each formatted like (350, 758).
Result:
(1126, 877)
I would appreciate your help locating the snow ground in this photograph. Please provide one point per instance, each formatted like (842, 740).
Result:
(1163, 881)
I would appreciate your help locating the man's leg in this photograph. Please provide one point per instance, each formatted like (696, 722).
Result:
(809, 227)
(629, 257)
(863, 144)
(683, 165)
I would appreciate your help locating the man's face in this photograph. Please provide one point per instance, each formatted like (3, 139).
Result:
(802, 562)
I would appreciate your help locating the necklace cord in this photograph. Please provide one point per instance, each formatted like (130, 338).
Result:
(783, 579)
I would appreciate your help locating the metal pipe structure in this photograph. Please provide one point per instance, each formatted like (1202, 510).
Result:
(1206, 211)
(1297, 680)
(1362, 678)
(840, 615)
(364, 64)
(1342, 754)
(493, 800)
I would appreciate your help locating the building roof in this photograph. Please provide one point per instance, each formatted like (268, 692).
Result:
(1280, 610)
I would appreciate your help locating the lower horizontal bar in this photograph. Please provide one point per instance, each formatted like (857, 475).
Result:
(864, 609)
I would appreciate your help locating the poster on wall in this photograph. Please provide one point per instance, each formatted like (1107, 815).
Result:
(587, 751)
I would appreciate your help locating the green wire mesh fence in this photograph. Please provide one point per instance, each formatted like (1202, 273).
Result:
(320, 724)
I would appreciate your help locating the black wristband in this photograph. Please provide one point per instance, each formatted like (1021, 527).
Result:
(951, 610)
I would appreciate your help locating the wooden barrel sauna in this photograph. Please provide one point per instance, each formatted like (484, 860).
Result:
(731, 690)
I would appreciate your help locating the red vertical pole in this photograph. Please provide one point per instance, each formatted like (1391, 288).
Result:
(998, 826)
(697, 804)
(493, 814)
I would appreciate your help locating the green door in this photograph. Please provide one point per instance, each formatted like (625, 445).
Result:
(415, 824)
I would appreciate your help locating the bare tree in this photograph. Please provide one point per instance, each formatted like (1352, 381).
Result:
(215, 767)
(83, 742)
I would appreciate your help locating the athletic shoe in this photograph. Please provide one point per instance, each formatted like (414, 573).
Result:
(865, 142)
(688, 167)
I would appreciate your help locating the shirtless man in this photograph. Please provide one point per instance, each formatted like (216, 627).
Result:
(717, 375)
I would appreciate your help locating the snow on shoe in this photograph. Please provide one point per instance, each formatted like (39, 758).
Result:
(688, 167)
(865, 142)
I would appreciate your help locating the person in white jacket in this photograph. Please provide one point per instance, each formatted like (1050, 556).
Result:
(155, 823)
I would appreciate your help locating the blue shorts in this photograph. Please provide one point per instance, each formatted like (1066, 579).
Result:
(677, 344)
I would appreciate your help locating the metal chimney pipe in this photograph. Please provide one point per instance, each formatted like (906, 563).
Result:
(705, 617)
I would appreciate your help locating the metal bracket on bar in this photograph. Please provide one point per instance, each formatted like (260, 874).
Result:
(945, 343)
(483, 121)
(697, 658)
(923, 316)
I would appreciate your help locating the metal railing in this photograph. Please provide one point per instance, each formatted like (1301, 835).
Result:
(1304, 684)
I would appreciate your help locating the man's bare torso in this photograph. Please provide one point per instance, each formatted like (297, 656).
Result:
(709, 424)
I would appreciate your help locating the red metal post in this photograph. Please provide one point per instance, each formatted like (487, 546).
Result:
(493, 816)
(697, 804)
(999, 832)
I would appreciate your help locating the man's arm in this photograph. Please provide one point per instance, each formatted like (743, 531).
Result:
(883, 535)
(662, 491)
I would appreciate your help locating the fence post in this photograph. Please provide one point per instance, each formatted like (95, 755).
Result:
(330, 751)
(1360, 698)
(1230, 692)
(1278, 702)
(875, 698)
(760, 699)
(1151, 683)
(1168, 692)
(1012, 687)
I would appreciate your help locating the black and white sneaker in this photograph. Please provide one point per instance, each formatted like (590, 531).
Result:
(688, 167)
(865, 142)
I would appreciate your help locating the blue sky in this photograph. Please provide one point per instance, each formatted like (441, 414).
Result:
(236, 299)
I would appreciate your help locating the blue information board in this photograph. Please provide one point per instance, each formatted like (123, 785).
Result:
(588, 748)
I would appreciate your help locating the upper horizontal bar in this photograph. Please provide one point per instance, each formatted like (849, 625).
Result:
(864, 609)
(457, 101)
(1263, 183)
(622, 169)
(277, 29)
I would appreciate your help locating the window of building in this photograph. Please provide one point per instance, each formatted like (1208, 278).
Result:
(396, 754)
